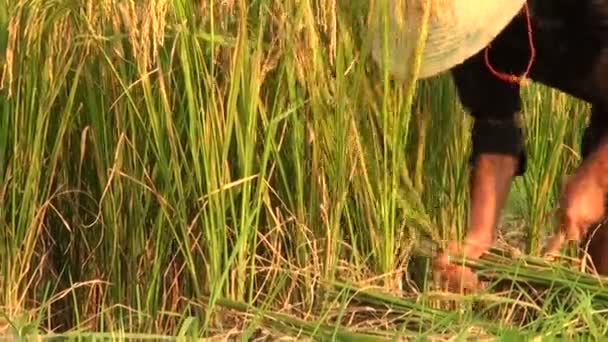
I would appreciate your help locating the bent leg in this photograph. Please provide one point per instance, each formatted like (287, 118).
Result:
(583, 197)
(498, 156)
(596, 240)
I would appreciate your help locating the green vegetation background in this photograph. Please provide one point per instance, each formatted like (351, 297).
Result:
(241, 167)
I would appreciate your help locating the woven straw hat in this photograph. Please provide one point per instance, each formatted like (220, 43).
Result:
(457, 29)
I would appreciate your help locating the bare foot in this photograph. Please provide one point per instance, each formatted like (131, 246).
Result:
(490, 181)
(455, 277)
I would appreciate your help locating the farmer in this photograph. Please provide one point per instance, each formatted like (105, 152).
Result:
(485, 45)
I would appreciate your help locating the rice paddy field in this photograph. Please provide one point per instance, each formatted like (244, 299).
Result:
(242, 170)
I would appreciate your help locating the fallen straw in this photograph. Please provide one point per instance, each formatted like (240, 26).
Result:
(508, 264)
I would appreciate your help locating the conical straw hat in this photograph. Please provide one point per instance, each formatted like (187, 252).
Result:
(457, 29)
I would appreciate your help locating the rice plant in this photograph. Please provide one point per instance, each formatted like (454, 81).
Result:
(234, 168)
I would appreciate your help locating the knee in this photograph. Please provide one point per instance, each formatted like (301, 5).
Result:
(502, 135)
(495, 107)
